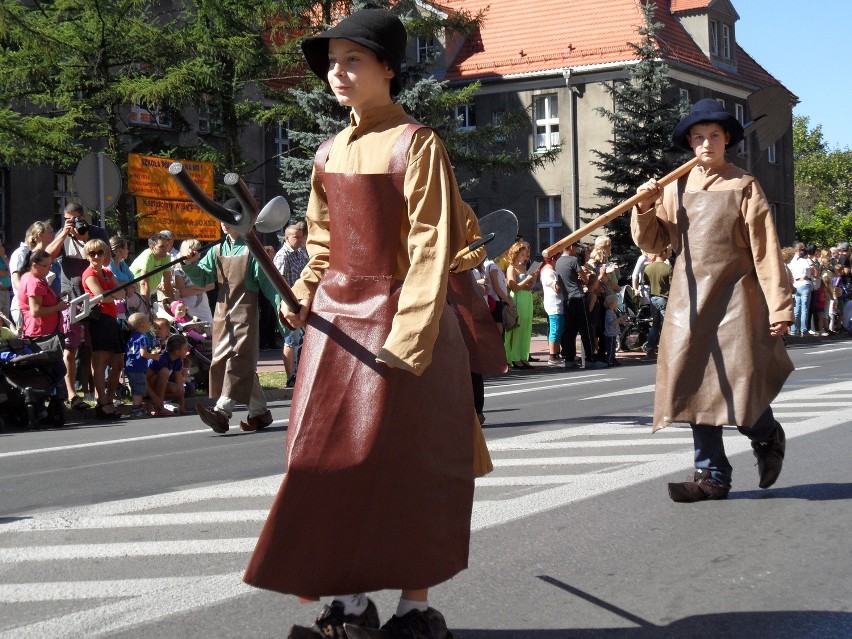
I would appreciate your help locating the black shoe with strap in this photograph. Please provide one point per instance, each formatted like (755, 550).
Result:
(330, 622)
(770, 457)
(415, 624)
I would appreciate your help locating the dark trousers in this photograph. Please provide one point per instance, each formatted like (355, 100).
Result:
(710, 450)
(478, 391)
(576, 322)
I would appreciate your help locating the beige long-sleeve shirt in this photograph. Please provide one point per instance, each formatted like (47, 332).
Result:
(433, 228)
(656, 229)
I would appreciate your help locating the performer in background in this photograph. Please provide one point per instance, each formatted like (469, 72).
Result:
(379, 486)
(721, 357)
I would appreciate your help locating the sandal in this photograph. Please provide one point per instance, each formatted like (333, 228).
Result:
(78, 403)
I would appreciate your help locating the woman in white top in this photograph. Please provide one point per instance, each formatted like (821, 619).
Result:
(553, 299)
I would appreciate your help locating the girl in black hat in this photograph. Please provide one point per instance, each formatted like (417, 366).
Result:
(721, 356)
(379, 485)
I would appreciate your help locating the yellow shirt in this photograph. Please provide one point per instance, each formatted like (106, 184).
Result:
(433, 228)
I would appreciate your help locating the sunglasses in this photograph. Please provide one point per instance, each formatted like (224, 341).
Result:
(98, 253)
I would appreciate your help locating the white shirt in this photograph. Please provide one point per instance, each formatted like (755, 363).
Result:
(800, 267)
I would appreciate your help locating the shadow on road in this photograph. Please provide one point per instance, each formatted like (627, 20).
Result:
(781, 624)
(811, 492)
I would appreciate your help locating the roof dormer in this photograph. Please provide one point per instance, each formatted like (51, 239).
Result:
(711, 24)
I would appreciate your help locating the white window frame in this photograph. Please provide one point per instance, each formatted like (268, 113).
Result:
(63, 191)
(726, 42)
(714, 37)
(772, 153)
(209, 119)
(282, 141)
(721, 103)
(739, 113)
(551, 222)
(426, 48)
(546, 128)
(465, 117)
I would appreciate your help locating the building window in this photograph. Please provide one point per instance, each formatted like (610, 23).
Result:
(465, 115)
(684, 96)
(773, 209)
(498, 119)
(739, 112)
(714, 37)
(548, 220)
(426, 48)
(63, 191)
(546, 116)
(150, 115)
(726, 42)
(721, 103)
(282, 142)
(209, 119)
(772, 154)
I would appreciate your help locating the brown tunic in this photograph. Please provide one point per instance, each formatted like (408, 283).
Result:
(718, 364)
(379, 486)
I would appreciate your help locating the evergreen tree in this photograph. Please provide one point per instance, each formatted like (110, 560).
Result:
(643, 117)
(473, 151)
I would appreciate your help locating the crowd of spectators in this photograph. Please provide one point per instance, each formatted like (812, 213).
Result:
(136, 335)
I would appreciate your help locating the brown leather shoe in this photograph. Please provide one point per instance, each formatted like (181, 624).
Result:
(258, 422)
(770, 457)
(213, 418)
(699, 488)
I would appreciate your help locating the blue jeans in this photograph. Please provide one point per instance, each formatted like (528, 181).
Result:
(658, 313)
(802, 303)
(710, 449)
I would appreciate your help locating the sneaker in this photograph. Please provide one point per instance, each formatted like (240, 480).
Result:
(138, 411)
(554, 361)
(794, 334)
(824, 334)
(812, 333)
(330, 622)
(291, 381)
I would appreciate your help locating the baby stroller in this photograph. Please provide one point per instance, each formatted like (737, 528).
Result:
(30, 375)
(634, 334)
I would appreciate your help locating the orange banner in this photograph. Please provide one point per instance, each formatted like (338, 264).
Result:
(148, 176)
(184, 219)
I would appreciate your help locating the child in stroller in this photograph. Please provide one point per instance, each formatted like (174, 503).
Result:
(634, 334)
(197, 364)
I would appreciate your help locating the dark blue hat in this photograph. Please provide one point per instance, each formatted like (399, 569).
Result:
(707, 110)
(377, 29)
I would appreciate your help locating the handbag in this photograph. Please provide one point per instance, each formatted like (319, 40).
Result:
(510, 317)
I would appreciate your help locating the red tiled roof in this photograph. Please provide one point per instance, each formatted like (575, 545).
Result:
(579, 33)
(689, 5)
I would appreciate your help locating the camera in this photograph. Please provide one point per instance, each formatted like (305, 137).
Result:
(81, 225)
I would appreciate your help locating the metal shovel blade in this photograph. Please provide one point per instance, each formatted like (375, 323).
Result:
(771, 115)
(504, 225)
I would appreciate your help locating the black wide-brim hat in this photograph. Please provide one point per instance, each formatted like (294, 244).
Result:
(707, 110)
(376, 29)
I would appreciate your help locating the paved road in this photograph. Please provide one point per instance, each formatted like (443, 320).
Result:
(143, 529)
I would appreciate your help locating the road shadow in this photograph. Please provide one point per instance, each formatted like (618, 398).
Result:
(12, 520)
(640, 421)
(780, 624)
(811, 492)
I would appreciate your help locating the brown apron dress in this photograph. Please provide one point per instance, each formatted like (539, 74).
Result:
(379, 486)
(233, 367)
(718, 365)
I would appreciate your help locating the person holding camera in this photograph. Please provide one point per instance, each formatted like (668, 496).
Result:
(73, 260)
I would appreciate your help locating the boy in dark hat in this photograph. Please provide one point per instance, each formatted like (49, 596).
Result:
(379, 486)
(721, 356)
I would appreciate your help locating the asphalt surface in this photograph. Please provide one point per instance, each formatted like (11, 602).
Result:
(143, 528)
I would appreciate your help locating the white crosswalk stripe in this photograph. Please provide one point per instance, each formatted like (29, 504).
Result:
(222, 522)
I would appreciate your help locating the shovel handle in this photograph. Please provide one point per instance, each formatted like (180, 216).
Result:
(613, 213)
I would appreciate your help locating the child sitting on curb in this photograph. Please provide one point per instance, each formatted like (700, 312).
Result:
(166, 377)
(138, 354)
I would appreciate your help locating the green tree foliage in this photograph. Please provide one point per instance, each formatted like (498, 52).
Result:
(474, 151)
(643, 115)
(71, 69)
(823, 186)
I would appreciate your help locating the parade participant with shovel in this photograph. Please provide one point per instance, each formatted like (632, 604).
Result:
(721, 357)
(379, 485)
